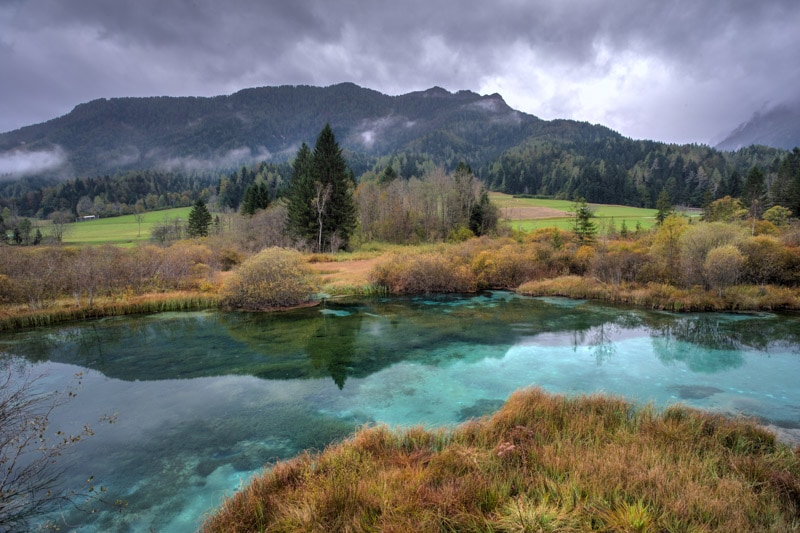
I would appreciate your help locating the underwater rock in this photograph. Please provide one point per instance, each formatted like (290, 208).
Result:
(694, 392)
(480, 408)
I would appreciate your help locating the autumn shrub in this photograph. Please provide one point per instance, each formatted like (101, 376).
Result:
(553, 236)
(699, 239)
(507, 267)
(617, 262)
(460, 234)
(723, 267)
(273, 278)
(764, 227)
(7, 290)
(36, 274)
(765, 259)
(423, 273)
(227, 257)
(178, 261)
(582, 259)
(90, 271)
(790, 275)
(777, 215)
(790, 236)
(665, 251)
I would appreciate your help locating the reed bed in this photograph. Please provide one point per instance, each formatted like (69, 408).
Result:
(19, 318)
(542, 463)
(667, 297)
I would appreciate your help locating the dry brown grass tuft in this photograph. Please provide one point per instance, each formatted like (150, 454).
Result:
(542, 463)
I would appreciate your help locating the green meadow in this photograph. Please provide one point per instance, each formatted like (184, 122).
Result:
(126, 230)
(120, 230)
(604, 215)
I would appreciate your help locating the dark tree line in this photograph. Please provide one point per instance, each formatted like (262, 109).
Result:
(613, 169)
(106, 195)
(255, 187)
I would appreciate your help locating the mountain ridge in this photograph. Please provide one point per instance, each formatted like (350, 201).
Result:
(117, 134)
(777, 127)
(202, 138)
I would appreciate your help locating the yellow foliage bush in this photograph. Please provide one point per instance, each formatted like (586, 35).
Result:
(507, 267)
(273, 278)
(423, 273)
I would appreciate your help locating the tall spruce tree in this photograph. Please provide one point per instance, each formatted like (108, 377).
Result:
(754, 187)
(300, 216)
(321, 207)
(256, 197)
(753, 192)
(583, 227)
(199, 220)
(663, 207)
(330, 170)
(785, 190)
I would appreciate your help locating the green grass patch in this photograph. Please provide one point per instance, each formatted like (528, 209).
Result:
(120, 230)
(503, 200)
(604, 214)
(603, 224)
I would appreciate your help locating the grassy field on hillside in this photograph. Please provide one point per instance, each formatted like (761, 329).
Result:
(120, 230)
(524, 214)
(532, 213)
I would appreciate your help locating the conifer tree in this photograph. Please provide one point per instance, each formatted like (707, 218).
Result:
(330, 169)
(320, 176)
(663, 206)
(300, 212)
(199, 220)
(753, 186)
(584, 229)
(256, 197)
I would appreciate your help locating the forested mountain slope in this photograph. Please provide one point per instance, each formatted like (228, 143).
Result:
(269, 123)
(195, 141)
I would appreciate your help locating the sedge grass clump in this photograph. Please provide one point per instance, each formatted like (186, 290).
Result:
(542, 463)
(273, 278)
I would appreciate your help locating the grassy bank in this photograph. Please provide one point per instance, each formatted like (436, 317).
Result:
(542, 463)
(19, 317)
(667, 297)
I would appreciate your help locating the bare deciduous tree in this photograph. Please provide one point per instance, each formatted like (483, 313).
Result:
(29, 449)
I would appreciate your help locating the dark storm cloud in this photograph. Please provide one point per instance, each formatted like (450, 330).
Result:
(681, 70)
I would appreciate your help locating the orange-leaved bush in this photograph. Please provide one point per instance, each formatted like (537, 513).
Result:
(275, 277)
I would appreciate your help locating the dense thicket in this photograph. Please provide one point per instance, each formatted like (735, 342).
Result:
(435, 207)
(37, 276)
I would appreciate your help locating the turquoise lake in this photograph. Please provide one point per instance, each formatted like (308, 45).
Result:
(204, 400)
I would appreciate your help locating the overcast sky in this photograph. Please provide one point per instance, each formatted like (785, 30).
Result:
(680, 71)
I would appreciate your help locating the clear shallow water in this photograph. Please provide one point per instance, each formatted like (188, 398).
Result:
(203, 400)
